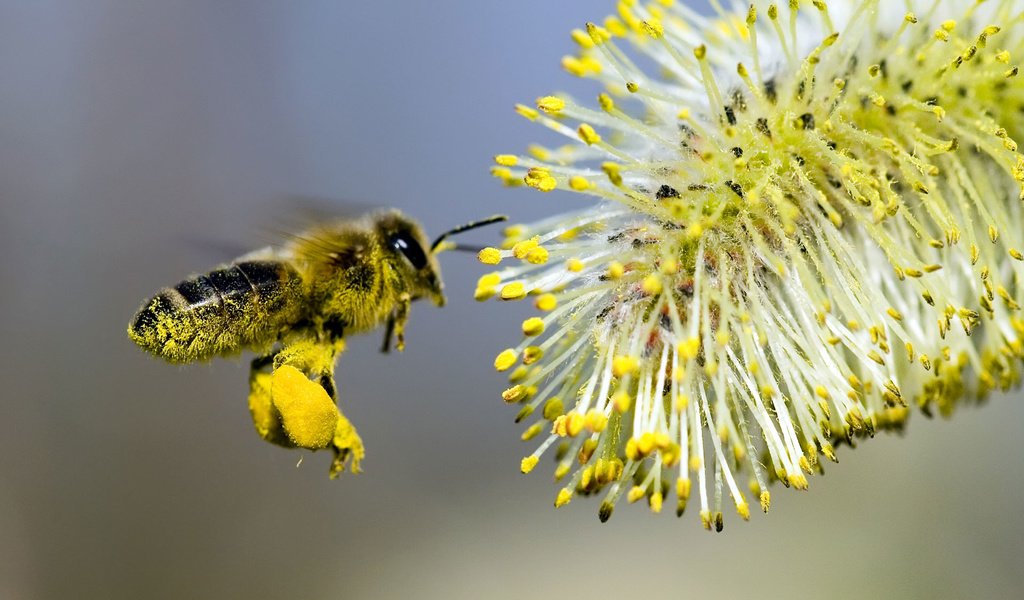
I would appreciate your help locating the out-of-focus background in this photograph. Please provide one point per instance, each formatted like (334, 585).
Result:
(138, 136)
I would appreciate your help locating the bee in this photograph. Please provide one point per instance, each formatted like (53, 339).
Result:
(294, 306)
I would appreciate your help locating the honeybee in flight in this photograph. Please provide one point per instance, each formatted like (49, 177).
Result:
(294, 306)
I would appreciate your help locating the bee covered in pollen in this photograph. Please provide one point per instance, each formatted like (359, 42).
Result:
(294, 306)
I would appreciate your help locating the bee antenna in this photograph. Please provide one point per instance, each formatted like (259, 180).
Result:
(466, 227)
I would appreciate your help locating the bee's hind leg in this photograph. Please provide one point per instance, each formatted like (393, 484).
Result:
(303, 393)
(265, 417)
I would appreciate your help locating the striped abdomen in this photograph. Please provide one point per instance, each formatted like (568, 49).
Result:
(240, 306)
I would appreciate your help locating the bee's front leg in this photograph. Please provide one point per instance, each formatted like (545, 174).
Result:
(401, 317)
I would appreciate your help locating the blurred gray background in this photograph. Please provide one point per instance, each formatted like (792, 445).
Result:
(129, 130)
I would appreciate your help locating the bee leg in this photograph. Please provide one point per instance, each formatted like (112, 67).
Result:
(265, 417)
(401, 317)
(304, 393)
(389, 331)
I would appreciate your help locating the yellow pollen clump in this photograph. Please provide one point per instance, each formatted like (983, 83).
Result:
(575, 265)
(623, 365)
(528, 464)
(533, 326)
(564, 496)
(513, 291)
(616, 270)
(550, 104)
(505, 360)
(690, 348)
(546, 302)
(489, 256)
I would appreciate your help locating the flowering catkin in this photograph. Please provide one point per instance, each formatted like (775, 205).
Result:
(806, 221)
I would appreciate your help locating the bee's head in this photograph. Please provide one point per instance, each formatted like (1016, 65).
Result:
(412, 255)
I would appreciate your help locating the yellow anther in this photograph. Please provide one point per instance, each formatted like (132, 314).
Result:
(531, 432)
(532, 354)
(489, 256)
(622, 401)
(669, 266)
(652, 285)
(513, 291)
(1015, 253)
(580, 37)
(553, 409)
(822, 392)
(574, 264)
(700, 52)
(625, 365)
(528, 464)
(540, 179)
(506, 160)
(606, 102)
(689, 349)
(574, 422)
(595, 421)
(743, 509)
(655, 502)
(551, 104)
(653, 28)
(613, 171)
(526, 111)
(521, 249)
(598, 34)
(892, 312)
(505, 360)
(588, 135)
(533, 326)
(615, 270)
(546, 302)
(563, 498)
(579, 183)
(514, 393)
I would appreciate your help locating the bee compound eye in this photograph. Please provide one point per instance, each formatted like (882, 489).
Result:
(410, 248)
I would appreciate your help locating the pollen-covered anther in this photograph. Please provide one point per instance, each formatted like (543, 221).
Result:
(521, 249)
(625, 365)
(505, 360)
(546, 302)
(514, 394)
(528, 464)
(533, 326)
(540, 179)
(513, 291)
(489, 256)
(588, 134)
(551, 104)
(651, 285)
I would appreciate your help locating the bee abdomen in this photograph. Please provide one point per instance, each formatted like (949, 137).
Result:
(243, 305)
